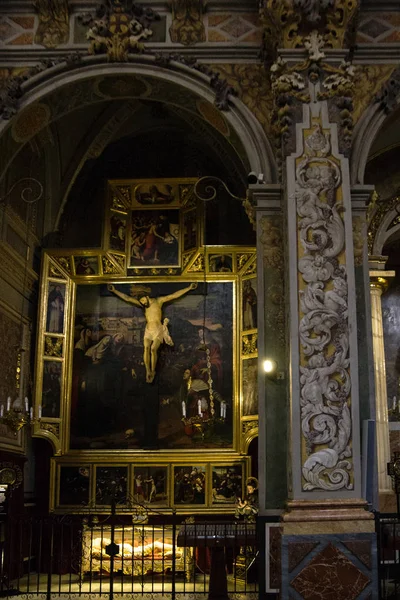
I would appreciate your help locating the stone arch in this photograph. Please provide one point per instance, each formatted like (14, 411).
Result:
(32, 111)
(384, 225)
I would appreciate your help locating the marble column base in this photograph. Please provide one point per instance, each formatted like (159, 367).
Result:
(387, 502)
(329, 551)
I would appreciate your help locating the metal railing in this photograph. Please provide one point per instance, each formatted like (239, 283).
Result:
(388, 538)
(111, 556)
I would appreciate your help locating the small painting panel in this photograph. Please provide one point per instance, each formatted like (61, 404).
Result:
(221, 263)
(51, 389)
(190, 230)
(158, 194)
(74, 485)
(55, 307)
(155, 238)
(249, 303)
(250, 386)
(117, 235)
(227, 484)
(111, 485)
(151, 485)
(190, 485)
(86, 265)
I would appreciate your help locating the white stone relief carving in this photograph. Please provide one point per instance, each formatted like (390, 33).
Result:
(323, 329)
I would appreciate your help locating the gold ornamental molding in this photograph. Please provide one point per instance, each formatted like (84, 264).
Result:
(187, 22)
(378, 280)
(53, 28)
(287, 22)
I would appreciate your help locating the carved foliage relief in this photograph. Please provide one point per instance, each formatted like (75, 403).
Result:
(323, 317)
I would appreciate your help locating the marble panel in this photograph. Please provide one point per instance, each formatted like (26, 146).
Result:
(329, 567)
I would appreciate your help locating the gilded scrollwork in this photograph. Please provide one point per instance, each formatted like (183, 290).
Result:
(249, 344)
(54, 271)
(65, 263)
(118, 28)
(249, 425)
(53, 428)
(53, 346)
(109, 268)
(187, 22)
(53, 28)
(198, 265)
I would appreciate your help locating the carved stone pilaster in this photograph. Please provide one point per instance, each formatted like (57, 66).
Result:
(324, 358)
(272, 343)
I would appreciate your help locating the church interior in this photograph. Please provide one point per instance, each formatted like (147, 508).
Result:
(200, 299)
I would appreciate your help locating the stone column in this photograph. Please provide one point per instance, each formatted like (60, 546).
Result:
(378, 285)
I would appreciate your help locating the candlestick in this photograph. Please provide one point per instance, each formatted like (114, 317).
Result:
(31, 413)
(26, 404)
(183, 408)
(8, 403)
(199, 407)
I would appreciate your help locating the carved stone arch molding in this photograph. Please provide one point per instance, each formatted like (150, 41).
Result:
(384, 224)
(385, 102)
(254, 144)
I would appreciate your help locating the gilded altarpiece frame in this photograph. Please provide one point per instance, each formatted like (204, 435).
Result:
(207, 316)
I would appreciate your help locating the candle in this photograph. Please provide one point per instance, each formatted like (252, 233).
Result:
(40, 412)
(199, 406)
(26, 404)
(1, 410)
(8, 403)
(31, 413)
(394, 403)
(183, 408)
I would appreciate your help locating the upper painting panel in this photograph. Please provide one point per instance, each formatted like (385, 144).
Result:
(152, 221)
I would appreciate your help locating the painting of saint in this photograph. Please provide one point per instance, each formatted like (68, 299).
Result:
(74, 485)
(127, 391)
(226, 484)
(111, 485)
(51, 389)
(189, 485)
(250, 386)
(150, 485)
(249, 304)
(117, 232)
(221, 263)
(155, 238)
(55, 308)
(86, 265)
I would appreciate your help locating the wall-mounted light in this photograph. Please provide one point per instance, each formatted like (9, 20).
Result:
(270, 366)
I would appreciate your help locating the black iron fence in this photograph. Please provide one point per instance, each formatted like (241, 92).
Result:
(63, 555)
(388, 534)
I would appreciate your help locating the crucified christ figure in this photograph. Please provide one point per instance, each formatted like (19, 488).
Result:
(156, 332)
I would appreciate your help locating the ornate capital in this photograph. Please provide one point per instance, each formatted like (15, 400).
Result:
(379, 280)
(287, 22)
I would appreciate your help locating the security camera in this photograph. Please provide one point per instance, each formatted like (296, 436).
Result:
(252, 177)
